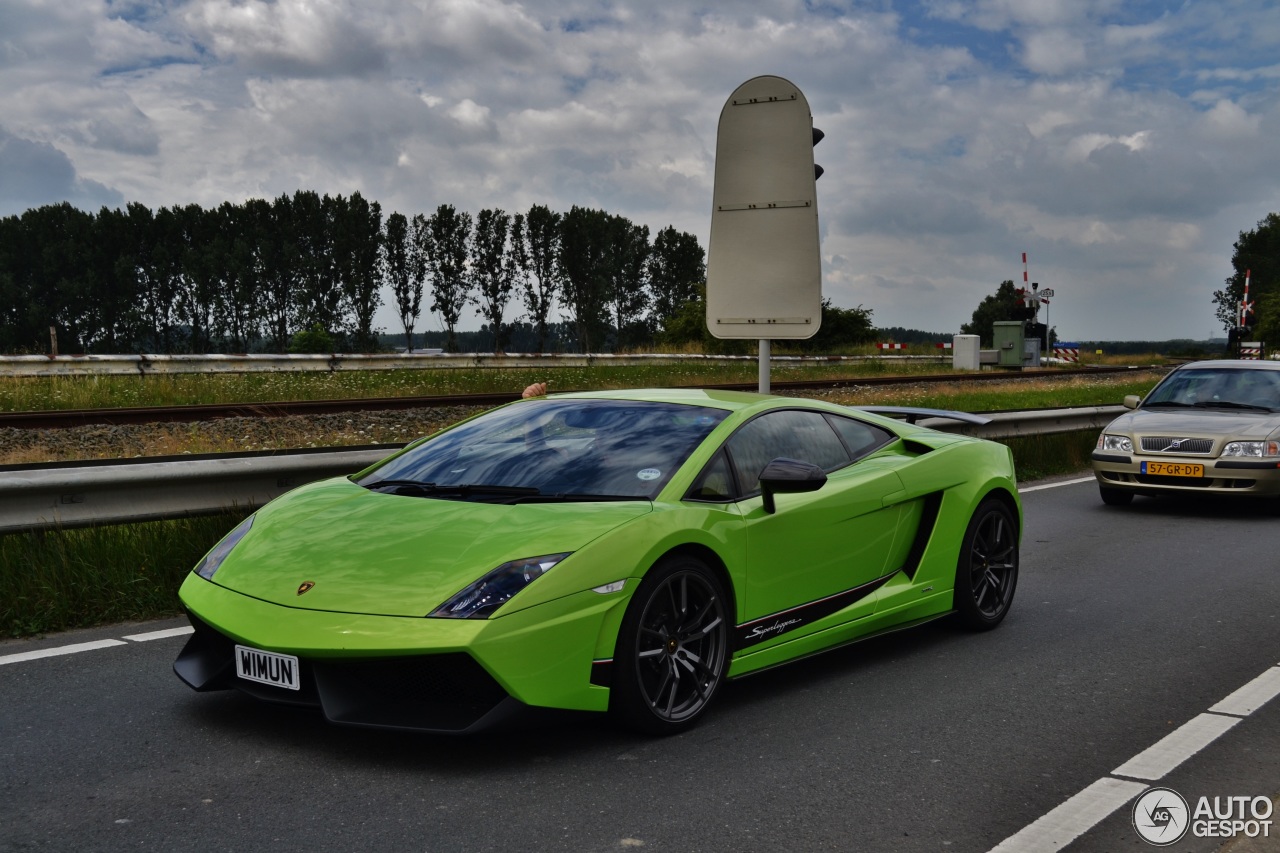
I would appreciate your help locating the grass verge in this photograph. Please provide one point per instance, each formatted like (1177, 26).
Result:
(52, 393)
(1040, 456)
(68, 579)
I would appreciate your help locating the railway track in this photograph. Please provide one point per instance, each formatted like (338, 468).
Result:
(60, 419)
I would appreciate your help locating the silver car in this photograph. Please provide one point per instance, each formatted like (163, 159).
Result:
(1209, 427)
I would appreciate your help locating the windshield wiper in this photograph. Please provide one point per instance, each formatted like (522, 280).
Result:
(397, 485)
(466, 489)
(573, 497)
(1231, 404)
(462, 490)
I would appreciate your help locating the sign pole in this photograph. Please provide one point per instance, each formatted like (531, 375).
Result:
(764, 365)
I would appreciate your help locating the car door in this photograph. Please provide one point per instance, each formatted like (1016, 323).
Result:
(820, 551)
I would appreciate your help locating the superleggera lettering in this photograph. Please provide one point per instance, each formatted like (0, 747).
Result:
(776, 628)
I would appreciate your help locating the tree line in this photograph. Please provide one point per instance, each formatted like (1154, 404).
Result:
(1257, 254)
(310, 270)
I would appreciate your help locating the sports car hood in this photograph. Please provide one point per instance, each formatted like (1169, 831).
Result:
(394, 555)
(1198, 422)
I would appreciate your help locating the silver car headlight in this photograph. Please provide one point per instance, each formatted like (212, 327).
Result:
(212, 561)
(1252, 448)
(1121, 443)
(496, 588)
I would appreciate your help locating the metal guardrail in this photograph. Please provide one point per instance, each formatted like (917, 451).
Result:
(35, 498)
(116, 492)
(1035, 422)
(145, 365)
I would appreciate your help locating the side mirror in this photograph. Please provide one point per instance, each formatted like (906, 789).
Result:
(1131, 401)
(789, 476)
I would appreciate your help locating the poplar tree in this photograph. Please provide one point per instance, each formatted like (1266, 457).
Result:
(448, 236)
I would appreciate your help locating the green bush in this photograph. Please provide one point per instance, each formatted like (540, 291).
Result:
(314, 340)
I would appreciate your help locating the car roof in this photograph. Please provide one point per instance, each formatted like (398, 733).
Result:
(744, 402)
(1235, 363)
(730, 400)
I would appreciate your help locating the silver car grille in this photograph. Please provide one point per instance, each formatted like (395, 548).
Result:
(1182, 446)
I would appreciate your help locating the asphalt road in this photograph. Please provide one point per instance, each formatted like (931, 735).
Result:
(1128, 624)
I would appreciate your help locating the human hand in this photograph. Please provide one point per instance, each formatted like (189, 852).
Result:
(537, 389)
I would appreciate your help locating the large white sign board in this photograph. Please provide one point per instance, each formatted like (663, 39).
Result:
(764, 271)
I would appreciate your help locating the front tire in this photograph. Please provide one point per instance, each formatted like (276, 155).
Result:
(673, 648)
(987, 573)
(1115, 497)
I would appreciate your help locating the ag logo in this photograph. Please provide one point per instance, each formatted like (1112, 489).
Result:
(1161, 817)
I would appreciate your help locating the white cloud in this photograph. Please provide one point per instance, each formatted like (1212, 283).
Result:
(1079, 148)
(1228, 120)
(1121, 145)
(468, 112)
(1053, 52)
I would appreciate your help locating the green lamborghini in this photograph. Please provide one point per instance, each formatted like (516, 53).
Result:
(621, 551)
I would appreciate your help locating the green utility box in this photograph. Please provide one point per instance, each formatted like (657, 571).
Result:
(1010, 340)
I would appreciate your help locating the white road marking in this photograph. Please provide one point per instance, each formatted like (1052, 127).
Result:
(1162, 757)
(160, 635)
(75, 648)
(1072, 819)
(1252, 696)
(60, 650)
(1091, 806)
(1088, 479)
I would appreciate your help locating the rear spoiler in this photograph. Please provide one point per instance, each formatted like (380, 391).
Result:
(913, 414)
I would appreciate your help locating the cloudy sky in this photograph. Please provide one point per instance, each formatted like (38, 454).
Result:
(1122, 144)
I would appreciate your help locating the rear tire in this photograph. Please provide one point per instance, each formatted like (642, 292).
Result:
(673, 648)
(1115, 497)
(987, 573)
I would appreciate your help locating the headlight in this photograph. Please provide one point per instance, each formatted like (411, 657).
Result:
(213, 560)
(1252, 448)
(496, 588)
(1115, 442)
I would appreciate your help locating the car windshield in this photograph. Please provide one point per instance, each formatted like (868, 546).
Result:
(552, 450)
(1219, 387)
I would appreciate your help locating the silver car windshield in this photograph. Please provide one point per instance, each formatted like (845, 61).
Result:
(1227, 388)
(553, 449)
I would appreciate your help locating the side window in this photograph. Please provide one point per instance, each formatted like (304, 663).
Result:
(797, 435)
(715, 483)
(861, 438)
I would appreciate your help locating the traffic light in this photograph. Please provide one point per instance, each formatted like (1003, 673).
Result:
(817, 137)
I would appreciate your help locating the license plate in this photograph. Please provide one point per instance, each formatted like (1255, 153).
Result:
(1173, 469)
(267, 668)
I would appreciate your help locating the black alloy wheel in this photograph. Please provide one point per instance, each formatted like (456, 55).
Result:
(673, 648)
(987, 573)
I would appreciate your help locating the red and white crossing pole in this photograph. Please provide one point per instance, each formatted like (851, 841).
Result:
(1246, 307)
(1025, 285)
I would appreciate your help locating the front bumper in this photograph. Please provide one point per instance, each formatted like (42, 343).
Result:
(444, 693)
(1229, 476)
(435, 675)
